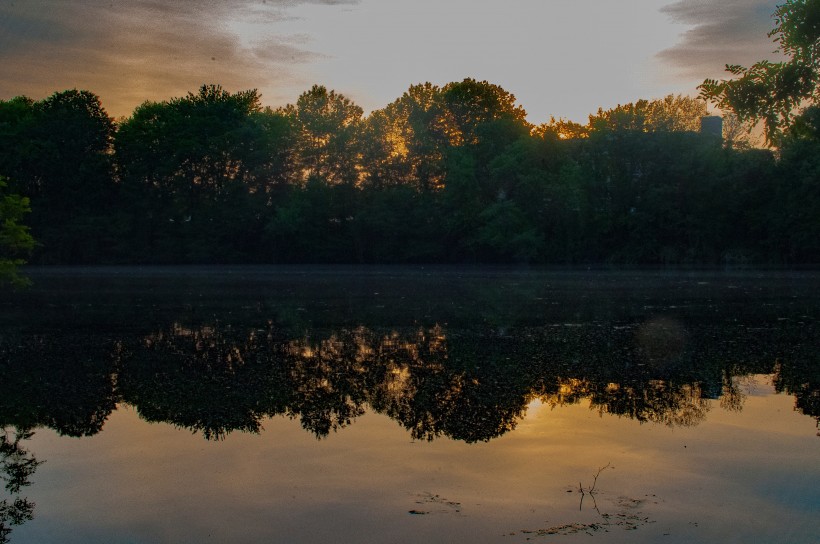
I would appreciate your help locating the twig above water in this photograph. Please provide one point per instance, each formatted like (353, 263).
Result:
(591, 490)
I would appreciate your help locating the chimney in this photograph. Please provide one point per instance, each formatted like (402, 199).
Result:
(712, 125)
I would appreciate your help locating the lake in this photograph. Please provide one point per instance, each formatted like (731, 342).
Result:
(410, 404)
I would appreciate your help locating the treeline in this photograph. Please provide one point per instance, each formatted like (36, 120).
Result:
(443, 174)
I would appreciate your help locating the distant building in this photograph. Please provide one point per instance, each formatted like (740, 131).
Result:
(712, 125)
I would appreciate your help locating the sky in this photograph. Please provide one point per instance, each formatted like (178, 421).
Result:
(560, 58)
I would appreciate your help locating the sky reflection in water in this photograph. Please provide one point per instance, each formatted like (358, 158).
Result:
(451, 405)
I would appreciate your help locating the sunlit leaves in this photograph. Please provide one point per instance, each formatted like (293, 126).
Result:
(402, 142)
(562, 129)
(328, 125)
(468, 104)
(669, 114)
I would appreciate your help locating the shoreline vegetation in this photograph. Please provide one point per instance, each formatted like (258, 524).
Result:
(452, 174)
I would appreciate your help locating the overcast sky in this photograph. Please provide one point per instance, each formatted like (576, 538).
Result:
(562, 58)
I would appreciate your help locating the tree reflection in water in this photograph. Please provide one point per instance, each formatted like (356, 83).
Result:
(473, 386)
(803, 381)
(466, 384)
(457, 354)
(17, 465)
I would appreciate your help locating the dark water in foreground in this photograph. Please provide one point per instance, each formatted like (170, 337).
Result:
(410, 405)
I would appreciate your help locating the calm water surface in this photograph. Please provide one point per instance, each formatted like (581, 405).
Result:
(397, 405)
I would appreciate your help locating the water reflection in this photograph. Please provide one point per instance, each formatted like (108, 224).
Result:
(457, 359)
(803, 381)
(217, 378)
(17, 465)
(64, 381)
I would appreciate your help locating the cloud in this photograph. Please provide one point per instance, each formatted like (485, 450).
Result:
(128, 51)
(723, 32)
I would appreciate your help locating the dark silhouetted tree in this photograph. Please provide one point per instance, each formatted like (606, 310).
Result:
(201, 171)
(57, 152)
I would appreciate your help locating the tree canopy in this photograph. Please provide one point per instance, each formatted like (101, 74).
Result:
(772, 92)
(196, 170)
(669, 114)
(328, 128)
(57, 152)
(446, 174)
(15, 239)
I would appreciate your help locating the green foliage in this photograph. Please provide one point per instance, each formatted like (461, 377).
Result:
(507, 231)
(15, 239)
(771, 92)
(669, 114)
(796, 217)
(442, 174)
(404, 143)
(315, 224)
(199, 172)
(328, 126)
(468, 104)
(562, 129)
(57, 152)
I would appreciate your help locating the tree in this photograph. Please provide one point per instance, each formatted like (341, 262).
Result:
(17, 465)
(57, 152)
(509, 232)
(469, 103)
(475, 216)
(201, 170)
(203, 142)
(563, 129)
(16, 119)
(772, 92)
(669, 114)
(15, 239)
(402, 144)
(795, 212)
(328, 126)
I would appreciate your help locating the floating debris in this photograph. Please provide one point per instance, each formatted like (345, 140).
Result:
(447, 506)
